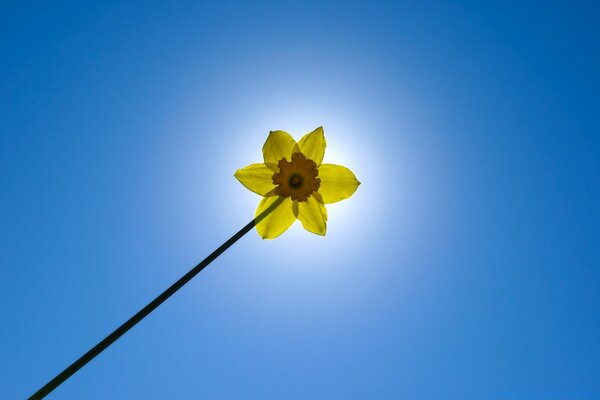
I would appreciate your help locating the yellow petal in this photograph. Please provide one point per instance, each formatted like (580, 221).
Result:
(278, 145)
(319, 198)
(256, 177)
(312, 145)
(278, 220)
(337, 183)
(312, 215)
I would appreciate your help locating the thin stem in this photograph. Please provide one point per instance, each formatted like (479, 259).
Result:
(131, 322)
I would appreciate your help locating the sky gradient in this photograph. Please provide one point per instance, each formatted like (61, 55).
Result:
(466, 265)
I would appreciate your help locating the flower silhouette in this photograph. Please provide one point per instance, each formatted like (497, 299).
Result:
(302, 185)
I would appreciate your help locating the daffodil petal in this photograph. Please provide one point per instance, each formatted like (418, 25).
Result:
(278, 145)
(319, 198)
(256, 177)
(278, 220)
(312, 145)
(312, 216)
(337, 183)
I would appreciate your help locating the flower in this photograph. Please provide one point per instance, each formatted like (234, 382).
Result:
(302, 186)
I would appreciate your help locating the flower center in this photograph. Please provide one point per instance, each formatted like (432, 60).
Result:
(296, 179)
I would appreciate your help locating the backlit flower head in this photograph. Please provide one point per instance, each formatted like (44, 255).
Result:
(293, 175)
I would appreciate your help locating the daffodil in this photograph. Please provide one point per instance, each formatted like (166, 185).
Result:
(295, 184)
(294, 189)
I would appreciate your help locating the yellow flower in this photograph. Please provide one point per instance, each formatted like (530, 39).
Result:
(301, 186)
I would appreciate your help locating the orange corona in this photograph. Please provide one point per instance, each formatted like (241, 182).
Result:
(296, 179)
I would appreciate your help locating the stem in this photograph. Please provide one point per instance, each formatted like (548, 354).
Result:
(131, 322)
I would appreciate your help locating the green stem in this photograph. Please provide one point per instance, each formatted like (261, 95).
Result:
(131, 322)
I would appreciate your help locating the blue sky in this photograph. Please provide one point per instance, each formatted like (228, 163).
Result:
(467, 264)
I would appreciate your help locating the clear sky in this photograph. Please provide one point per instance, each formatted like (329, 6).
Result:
(466, 265)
